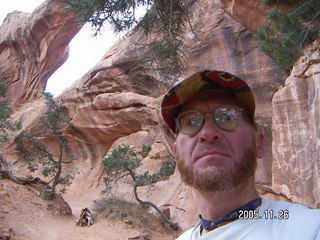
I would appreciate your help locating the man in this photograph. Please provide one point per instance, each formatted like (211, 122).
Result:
(217, 143)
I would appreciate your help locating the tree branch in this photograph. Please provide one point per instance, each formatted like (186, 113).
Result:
(8, 173)
(172, 224)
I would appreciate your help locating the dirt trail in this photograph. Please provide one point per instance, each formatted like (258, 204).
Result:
(65, 228)
(24, 215)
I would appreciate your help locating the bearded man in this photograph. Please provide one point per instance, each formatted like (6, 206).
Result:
(217, 145)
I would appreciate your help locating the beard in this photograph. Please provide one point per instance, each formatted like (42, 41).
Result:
(214, 179)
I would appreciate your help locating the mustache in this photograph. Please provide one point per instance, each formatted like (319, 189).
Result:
(203, 149)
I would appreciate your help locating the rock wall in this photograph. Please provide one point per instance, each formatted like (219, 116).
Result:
(249, 13)
(120, 95)
(296, 151)
(295, 133)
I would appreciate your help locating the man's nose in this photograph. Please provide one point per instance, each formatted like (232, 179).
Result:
(209, 132)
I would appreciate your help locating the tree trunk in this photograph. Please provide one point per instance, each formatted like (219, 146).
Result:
(174, 225)
(57, 177)
(59, 167)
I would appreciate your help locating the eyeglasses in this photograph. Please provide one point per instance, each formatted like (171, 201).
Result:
(227, 117)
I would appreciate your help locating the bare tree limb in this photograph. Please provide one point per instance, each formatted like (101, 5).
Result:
(8, 173)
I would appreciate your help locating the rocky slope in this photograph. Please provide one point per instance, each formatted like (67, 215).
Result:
(120, 96)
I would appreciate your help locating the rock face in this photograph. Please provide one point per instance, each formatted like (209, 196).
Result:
(121, 94)
(296, 133)
(245, 11)
(32, 47)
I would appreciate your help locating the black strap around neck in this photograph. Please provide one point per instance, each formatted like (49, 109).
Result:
(207, 225)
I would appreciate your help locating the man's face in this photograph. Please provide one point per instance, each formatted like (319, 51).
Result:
(216, 159)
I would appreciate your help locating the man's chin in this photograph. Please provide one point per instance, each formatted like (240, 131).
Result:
(210, 179)
(215, 177)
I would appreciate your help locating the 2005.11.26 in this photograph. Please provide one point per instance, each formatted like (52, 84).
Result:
(267, 214)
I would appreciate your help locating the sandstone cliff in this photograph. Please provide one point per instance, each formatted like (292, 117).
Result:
(295, 130)
(32, 47)
(120, 96)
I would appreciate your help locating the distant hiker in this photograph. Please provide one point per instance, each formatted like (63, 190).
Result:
(85, 218)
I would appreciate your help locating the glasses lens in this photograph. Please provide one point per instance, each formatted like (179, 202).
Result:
(227, 117)
(190, 122)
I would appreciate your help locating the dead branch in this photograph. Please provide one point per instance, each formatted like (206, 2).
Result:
(8, 173)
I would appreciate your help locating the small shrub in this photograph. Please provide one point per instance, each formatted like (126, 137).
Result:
(145, 150)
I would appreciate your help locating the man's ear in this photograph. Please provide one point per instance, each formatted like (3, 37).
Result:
(260, 144)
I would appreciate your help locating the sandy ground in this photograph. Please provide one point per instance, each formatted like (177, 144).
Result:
(65, 228)
(24, 215)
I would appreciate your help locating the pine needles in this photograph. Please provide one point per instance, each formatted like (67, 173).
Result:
(164, 19)
(289, 32)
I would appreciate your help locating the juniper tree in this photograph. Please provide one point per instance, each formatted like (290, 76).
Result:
(123, 163)
(163, 18)
(49, 158)
(287, 33)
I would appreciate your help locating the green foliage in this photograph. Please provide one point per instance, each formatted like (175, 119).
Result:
(167, 168)
(121, 14)
(6, 123)
(145, 150)
(121, 159)
(288, 33)
(56, 117)
(269, 2)
(3, 89)
(164, 19)
(37, 153)
(123, 162)
(166, 53)
(274, 2)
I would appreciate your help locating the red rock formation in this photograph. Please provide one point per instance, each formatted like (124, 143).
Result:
(32, 47)
(295, 168)
(249, 13)
(295, 129)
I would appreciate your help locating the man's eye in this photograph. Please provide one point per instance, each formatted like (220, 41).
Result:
(194, 122)
(191, 121)
(227, 117)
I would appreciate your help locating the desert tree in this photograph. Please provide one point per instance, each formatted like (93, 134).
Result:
(285, 34)
(49, 158)
(123, 162)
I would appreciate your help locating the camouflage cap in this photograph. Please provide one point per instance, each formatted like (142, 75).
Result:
(179, 94)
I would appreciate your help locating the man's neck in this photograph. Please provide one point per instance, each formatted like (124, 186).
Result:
(215, 205)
